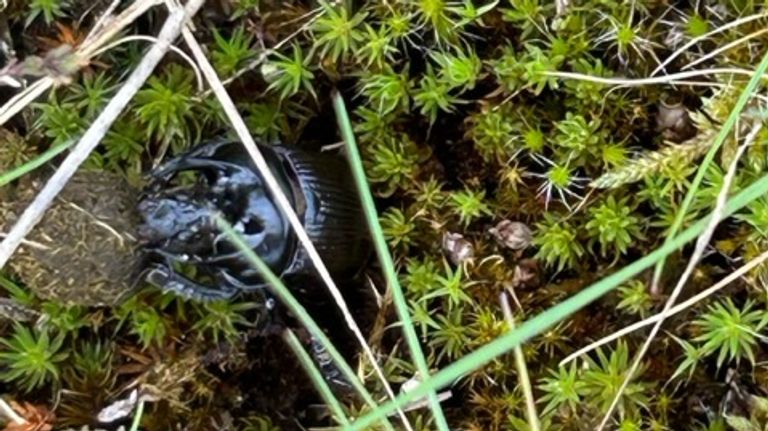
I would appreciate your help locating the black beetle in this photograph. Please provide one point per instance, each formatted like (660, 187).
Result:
(178, 226)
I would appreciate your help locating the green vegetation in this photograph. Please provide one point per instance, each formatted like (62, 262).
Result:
(32, 358)
(568, 117)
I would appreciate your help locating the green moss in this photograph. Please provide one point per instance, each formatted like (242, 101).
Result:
(462, 123)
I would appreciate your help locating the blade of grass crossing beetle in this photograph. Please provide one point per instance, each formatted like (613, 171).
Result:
(385, 259)
(33, 164)
(746, 94)
(137, 416)
(316, 376)
(285, 296)
(556, 314)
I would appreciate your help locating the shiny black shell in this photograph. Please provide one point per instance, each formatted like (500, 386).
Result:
(177, 219)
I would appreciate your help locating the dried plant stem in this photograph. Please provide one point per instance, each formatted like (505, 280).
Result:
(696, 40)
(24, 98)
(720, 85)
(522, 370)
(674, 310)
(175, 49)
(724, 48)
(110, 26)
(105, 15)
(34, 212)
(107, 27)
(29, 243)
(11, 414)
(701, 245)
(666, 79)
(238, 124)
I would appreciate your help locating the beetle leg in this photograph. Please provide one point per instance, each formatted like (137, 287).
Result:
(169, 281)
(202, 152)
(201, 157)
(231, 280)
(328, 369)
(186, 164)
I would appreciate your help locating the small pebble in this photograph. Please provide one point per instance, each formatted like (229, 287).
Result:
(457, 248)
(512, 234)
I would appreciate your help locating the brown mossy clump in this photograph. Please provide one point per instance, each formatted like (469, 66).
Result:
(84, 250)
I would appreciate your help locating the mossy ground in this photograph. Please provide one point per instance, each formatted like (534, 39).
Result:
(463, 123)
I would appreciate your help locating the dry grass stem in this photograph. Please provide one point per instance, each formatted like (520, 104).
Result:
(80, 152)
(666, 79)
(33, 244)
(24, 98)
(106, 28)
(701, 245)
(11, 414)
(696, 40)
(110, 26)
(243, 133)
(174, 48)
(741, 271)
(105, 16)
(724, 48)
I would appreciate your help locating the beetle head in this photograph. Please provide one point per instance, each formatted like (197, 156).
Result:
(176, 223)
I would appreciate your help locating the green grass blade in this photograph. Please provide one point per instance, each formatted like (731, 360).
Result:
(746, 94)
(287, 298)
(33, 164)
(317, 378)
(555, 314)
(385, 258)
(137, 416)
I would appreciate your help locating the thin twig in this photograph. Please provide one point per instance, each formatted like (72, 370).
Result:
(174, 48)
(689, 83)
(112, 25)
(522, 369)
(724, 48)
(672, 311)
(11, 414)
(630, 82)
(720, 85)
(33, 244)
(701, 245)
(696, 40)
(34, 212)
(238, 124)
(102, 19)
(93, 42)
(24, 98)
